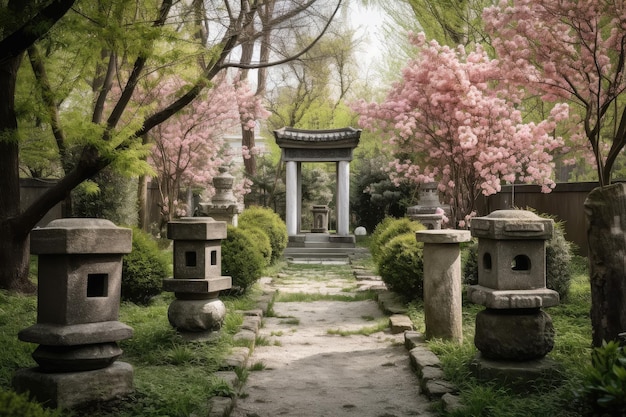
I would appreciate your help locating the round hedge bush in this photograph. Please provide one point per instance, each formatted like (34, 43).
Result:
(144, 269)
(558, 262)
(261, 240)
(401, 266)
(271, 224)
(241, 259)
(388, 229)
(16, 405)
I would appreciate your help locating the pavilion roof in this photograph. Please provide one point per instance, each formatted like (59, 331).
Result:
(288, 137)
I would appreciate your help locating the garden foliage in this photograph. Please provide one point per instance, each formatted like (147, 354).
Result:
(144, 269)
(261, 240)
(401, 266)
(271, 223)
(387, 230)
(15, 405)
(241, 259)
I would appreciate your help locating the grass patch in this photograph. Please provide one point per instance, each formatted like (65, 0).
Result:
(291, 321)
(308, 298)
(257, 366)
(380, 326)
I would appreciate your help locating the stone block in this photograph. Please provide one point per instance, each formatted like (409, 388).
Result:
(221, 406)
(78, 334)
(512, 299)
(391, 303)
(197, 259)
(521, 377)
(251, 323)
(421, 357)
(451, 402)
(196, 315)
(412, 339)
(430, 373)
(513, 335)
(238, 358)
(399, 323)
(80, 236)
(437, 388)
(72, 389)
(445, 236)
(197, 286)
(196, 228)
(76, 289)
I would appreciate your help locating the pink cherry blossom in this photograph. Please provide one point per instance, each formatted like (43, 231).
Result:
(458, 122)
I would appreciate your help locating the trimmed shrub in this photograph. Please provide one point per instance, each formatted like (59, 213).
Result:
(401, 266)
(16, 405)
(261, 240)
(558, 262)
(388, 229)
(271, 224)
(144, 269)
(241, 259)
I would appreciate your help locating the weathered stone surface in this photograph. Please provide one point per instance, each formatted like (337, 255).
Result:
(370, 277)
(447, 236)
(78, 288)
(451, 402)
(412, 339)
(442, 283)
(197, 286)
(196, 315)
(251, 323)
(238, 358)
(510, 335)
(221, 406)
(512, 299)
(76, 358)
(399, 323)
(196, 228)
(80, 235)
(519, 376)
(258, 312)
(512, 224)
(437, 388)
(77, 334)
(72, 389)
(429, 373)
(229, 377)
(245, 335)
(360, 231)
(421, 357)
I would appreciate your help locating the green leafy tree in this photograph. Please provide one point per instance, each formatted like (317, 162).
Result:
(102, 52)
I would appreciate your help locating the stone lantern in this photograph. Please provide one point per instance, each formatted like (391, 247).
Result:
(320, 219)
(223, 205)
(426, 211)
(77, 329)
(197, 277)
(513, 333)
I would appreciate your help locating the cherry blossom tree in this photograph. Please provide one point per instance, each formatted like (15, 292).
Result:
(450, 119)
(189, 147)
(575, 51)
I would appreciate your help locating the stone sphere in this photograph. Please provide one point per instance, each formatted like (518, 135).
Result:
(196, 315)
(360, 231)
(514, 335)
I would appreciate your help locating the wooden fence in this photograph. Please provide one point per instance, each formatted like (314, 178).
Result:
(565, 202)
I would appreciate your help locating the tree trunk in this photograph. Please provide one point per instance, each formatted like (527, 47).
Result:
(247, 139)
(605, 209)
(14, 247)
(143, 218)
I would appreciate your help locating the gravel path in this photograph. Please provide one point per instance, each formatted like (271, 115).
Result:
(309, 369)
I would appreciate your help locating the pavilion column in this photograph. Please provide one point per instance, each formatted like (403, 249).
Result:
(343, 198)
(291, 206)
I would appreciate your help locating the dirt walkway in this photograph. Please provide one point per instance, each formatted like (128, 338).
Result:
(317, 362)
